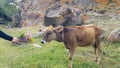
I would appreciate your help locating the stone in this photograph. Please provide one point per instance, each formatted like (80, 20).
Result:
(114, 36)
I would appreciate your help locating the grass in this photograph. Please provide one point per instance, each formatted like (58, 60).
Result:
(53, 54)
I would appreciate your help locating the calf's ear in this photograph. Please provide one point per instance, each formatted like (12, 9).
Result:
(59, 28)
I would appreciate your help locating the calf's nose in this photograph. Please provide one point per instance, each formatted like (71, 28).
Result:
(43, 41)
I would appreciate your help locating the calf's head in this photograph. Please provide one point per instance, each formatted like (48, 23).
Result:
(51, 34)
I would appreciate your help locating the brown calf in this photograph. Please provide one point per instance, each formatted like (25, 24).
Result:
(73, 36)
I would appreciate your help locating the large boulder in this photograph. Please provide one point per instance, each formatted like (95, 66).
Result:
(114, 36)
(58, 14)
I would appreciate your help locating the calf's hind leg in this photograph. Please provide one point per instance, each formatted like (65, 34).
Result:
(95, 51)
(99, 50)
(99, 54)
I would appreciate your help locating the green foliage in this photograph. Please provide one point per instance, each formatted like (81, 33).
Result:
(9, 10)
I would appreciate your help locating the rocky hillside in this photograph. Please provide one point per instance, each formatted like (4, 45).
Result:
(32, 11)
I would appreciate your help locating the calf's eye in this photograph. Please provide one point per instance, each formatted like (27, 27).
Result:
(49, 33)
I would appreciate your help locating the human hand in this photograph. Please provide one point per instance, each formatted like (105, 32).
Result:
(15, 40)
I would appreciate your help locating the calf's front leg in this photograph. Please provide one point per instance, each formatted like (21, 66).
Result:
(72, 50)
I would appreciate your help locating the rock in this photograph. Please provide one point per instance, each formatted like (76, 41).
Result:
(58, 14)
(114, 36)
(37, 46)
(86, 4)
(31, 11)
(101, 12)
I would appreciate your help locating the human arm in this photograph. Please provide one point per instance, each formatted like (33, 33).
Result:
(8, 37)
